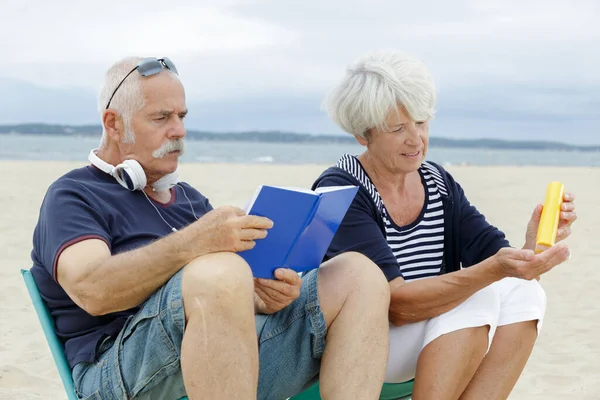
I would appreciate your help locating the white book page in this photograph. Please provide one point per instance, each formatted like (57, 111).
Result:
(252, 200)
(326, 189)
(295, 189)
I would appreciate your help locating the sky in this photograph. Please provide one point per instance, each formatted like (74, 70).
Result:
(527, 70)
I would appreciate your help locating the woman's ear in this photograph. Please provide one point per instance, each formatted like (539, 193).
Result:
(364, 140)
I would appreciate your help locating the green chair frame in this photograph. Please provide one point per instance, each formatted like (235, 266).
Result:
(389, 391)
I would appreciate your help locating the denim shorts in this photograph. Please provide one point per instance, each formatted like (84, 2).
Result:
(143, 361)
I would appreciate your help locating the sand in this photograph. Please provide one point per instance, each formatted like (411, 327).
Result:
(565, 362)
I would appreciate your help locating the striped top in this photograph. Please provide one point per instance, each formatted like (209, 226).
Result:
(419, 246)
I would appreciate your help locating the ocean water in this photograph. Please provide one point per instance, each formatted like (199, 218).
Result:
(68, 148)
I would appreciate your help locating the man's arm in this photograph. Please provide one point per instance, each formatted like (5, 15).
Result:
(101, 283)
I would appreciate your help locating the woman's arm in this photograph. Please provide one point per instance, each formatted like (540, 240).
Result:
(427, 298)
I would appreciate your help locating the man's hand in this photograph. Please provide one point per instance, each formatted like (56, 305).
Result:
(525, 264)
(272, 295)
(567, 217)
(228, 229)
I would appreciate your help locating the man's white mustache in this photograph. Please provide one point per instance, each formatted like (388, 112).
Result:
(171, 145)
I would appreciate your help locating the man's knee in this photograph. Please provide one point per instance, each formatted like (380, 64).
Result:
(354, 272)
(219, 279)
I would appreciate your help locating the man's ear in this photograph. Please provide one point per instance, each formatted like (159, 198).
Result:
(113, 124)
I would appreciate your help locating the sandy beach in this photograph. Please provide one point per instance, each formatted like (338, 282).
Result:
(565, 363)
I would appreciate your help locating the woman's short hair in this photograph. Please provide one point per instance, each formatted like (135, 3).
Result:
(375, 85)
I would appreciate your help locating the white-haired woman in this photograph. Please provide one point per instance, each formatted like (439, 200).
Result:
(460, 332)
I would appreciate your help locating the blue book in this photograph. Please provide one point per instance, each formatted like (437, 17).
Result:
(304, 223)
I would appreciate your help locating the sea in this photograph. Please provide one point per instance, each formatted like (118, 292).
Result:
(73, 148)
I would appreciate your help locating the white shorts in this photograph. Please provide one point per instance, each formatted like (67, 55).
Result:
(504, 302)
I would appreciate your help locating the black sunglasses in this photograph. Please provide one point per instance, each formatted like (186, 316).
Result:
(147, 67)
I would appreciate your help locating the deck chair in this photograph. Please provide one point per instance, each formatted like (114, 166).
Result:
(390, 391)
(56, 346)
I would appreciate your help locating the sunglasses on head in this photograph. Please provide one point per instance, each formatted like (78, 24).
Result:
(147, 67)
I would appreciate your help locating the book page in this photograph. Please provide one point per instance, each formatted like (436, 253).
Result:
(295, 189)
(252, 200)
(326, 189)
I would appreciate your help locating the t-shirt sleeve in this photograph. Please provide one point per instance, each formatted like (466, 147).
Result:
(69, 214)
(206, 203)
(361, 233)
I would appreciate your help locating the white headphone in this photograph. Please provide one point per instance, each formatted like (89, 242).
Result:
(130, 174)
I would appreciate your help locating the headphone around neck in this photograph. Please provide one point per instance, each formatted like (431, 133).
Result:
(130, 174)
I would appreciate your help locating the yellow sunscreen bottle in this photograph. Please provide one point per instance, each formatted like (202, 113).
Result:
(546, 234)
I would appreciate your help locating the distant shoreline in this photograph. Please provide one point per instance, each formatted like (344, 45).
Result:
(292, 137)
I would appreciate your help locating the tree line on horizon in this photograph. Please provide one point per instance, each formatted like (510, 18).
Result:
(293, 137)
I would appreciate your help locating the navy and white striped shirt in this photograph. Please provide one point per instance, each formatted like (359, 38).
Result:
(468, 237)
(419, 246)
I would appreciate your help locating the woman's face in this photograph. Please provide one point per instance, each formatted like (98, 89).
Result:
(402, 146)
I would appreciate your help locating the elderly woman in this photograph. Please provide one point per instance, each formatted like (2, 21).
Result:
(466, 308)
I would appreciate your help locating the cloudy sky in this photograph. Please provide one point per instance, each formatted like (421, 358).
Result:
(505, 69)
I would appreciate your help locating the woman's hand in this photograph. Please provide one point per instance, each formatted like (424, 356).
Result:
(567, 217)
(525, 264)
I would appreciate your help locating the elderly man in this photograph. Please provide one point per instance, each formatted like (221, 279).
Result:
(149, 295)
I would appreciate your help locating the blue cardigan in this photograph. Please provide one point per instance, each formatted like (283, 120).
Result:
(468, 237)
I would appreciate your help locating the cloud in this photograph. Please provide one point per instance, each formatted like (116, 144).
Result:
(303, 43)
(73, 42)
(73, 31)
(511, 60)
(460, 40)
(28, 102)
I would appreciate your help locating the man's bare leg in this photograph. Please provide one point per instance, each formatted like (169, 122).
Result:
(354, 297)
(447, 364)
(219, 353)
(502, 366)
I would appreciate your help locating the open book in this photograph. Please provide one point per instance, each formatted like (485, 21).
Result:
(304, 223)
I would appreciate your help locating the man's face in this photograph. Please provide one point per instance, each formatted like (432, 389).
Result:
(158, 127)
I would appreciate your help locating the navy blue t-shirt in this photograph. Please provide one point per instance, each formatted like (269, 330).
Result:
(88, 203)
